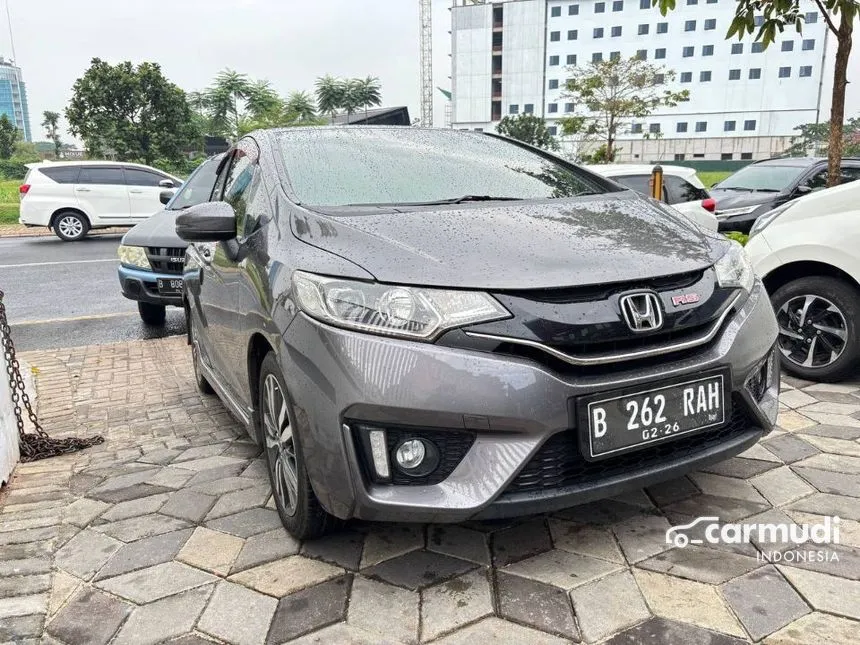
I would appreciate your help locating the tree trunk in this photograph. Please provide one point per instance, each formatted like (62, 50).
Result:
(837, 102)
(610, 141)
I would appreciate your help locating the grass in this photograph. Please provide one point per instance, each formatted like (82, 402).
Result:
(9, 201)
(712, 177)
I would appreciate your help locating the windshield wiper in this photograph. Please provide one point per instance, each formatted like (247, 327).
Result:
(747, 190)
(453, 200)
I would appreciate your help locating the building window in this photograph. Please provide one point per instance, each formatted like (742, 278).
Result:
(614, 55)
(688, 52)
(757, 48)
(643, 29)
(529, 108)
(680, 156)
(659, 79)
(726, 156)
(572, 34)
(734, 74)
(737, 48)
(636, 128)
(686, 77)
(784, 72)
(660, 53)
(811, 18)
(788, 45)
(598, 32)
(662, 27)
(553, 83)
(568, 107)
(552, 108)
(711, 1)
(552, 130)
(704, 77)
(698, 155)
(701, 126)
(707, 50)
(729, 126)
(805, 70)
(571, 59)
(749, 125)
(599, 7)
(692, 2)
(554, 60)
(746, 155)
(710, 24)
(596, 57)
(755, 73)
(555, 36)
(690, 25)
(573, 10)
(681, 126)
(759, 21)
(618, 5)
(808, 45)
(616, 32)
(644, 4)
(654, 128)
(642, 54)
(555, 12)
(514, 109)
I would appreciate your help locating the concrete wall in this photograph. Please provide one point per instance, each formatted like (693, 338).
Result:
(471, 78)
(8, 427)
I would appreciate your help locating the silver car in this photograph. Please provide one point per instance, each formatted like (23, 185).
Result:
(435, 325)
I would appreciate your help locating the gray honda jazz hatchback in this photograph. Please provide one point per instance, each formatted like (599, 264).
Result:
(437, 325)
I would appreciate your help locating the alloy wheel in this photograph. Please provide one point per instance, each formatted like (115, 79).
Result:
(280, 445)
(812, 331)
(70, 226)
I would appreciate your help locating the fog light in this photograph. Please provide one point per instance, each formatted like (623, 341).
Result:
(379, 453)
(410, 454)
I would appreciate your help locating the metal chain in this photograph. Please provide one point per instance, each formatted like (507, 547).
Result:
(37, 445)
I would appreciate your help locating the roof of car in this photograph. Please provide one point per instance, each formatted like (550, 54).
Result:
(76, 162)
(614, 170)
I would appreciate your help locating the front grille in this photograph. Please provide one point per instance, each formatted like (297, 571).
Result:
(452, 444)
(559, 462)
(161, 259)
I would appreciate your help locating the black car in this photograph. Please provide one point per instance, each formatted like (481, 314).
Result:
(432, 325)
(151, 254)
(752, 191)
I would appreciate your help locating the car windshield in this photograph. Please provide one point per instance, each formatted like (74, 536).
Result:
(762, 177)
(197, 189)
(353, 166)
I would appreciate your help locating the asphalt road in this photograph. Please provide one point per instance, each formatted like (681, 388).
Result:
(61, 294)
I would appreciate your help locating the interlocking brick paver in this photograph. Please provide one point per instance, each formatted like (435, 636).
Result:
(816, 628)
(247, 523)
(389, 541)
(86, 553)
(144, 553)
(343, 549)
(188, 504)
(24, 585)
(419, 569)
(660, 631)
(143, 526)
(701, 564)
(608, 605)
(23, 605)
(536, 604)
(211, 551)
(597, 542)
(763, 601)
(91, 616)
(156, 582)
(562, 569)
(824, 592)
(384, 609)
(459, 542)
(309, 610)
(265, 547)
(781, 486)
(286, 576)
(238, 615)
(164, 619)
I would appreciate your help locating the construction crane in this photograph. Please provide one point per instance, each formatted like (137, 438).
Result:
(426, 16)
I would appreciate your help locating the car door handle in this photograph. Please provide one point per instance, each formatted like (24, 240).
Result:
(135, 191)
(82, 190)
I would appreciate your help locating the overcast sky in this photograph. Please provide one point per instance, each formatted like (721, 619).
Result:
(288, 42)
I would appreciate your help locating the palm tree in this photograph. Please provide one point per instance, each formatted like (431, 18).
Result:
(370, 92)
(223, 97)
(330, 95)
(51, 123)
(262, 100)
(353, 96)
(300, 107)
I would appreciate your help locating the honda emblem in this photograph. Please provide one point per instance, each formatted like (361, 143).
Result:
(642, 311)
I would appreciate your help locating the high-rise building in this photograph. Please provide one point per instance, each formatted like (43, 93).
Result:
(512, 57)
(13, 97)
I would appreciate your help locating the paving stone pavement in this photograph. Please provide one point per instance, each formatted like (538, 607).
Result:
(167, 533)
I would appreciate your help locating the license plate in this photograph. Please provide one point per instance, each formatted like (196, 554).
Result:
(169, 286)
(633, 418)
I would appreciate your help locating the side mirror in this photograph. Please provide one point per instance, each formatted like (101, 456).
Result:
(803, 190)
(167, 183)
(165, 196)
(207, 222)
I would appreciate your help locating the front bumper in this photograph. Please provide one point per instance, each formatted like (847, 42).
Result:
(513, 405)
(142, 286)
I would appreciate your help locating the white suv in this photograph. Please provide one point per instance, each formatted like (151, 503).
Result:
(73, 197)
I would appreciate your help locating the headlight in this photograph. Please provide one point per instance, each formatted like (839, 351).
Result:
(731, 212)
(134, 256)
(406, 312)
(734, 269)
(768, 217)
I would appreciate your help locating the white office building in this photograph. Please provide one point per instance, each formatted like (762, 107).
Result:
(512, 58)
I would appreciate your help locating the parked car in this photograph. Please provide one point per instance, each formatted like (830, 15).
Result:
(764, 185)
(152, 254)
(807, 252)
(682, 188)
(436, 325)
(74, 197)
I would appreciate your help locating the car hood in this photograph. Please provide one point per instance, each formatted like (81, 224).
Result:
(514, 245)
(727, 199)
(158, 230)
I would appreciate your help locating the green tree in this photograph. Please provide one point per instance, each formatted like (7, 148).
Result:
(528, 128)
(224, 101)
(369, 92)
(131, 111)
(813, 138)
(300, 106)
(8, 137)
(776, 15)
(51, 123)
(613, 92)
(330, 94)
(262, 100)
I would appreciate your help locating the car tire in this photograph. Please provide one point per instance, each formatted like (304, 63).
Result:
(817, 316)
(203, 386)
(152, 315)
(71, 226)
(297, 504)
